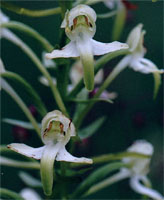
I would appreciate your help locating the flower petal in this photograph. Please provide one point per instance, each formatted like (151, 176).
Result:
(84, 47)
(145, 66)
(134, 37)
(28, 193)
(28, 151)
(141, 189)
(67, 51)
(100, 48)
(47, 163)
(64, 155)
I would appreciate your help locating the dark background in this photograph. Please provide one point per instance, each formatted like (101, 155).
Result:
(135, 115)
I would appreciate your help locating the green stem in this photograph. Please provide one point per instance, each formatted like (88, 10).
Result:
(98, 65)
(21, 104)
(19, 164)
(30, 13)
(116, 71)
(112, 157)
(8, 193)
(33, 94)
(13, 38)
(30, 31)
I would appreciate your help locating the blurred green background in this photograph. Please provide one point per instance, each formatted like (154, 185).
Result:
(134, 115)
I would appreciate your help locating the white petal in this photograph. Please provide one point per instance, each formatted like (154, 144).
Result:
(46, 62)
(44, 81)
(141, 189)
(29, 194)
(84, 46)
(3, 18)
(63, 155)
(67, 51)
(27, 150)
(145, 66)
(100, 48)
(134, 37)
(110, 3)
(47, 166)
(2, 67)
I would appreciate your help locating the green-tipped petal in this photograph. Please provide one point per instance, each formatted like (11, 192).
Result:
(86, 55)
(47, 166)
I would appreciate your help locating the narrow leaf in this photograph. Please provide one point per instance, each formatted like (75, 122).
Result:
(91, 100)
(157, 82)
(32, 93)
(20, 123)
(96, 176)
(91, 129)
(29, 180)
(18, 164)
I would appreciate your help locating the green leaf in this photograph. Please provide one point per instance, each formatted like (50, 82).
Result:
(91, 100)
(9, 90)
(10, 194)
(91, 129)
(95, 177)
(157, 82)
(32, 93)
(29, 180)
(119, 21)
(20, 123)
(19, 164)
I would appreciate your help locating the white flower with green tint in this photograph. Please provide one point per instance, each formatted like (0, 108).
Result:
(56, 133)
(136, 59)
(29, 194)
(137, 170)
(80, 27)
(140, 168)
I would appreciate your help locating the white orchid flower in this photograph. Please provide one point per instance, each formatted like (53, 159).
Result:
(136, 59)
(29, 194)
(140, 168)
(136, 172)
(56, 133)
(79, 24)
(76, 74)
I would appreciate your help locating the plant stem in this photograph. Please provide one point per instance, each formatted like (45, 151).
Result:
(21, 104)
(30, 13)
(116, 71)
(30, 31)
(13, 38)
(8, 193)
(111, 157)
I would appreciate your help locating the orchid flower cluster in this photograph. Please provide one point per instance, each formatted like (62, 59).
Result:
(77, 82)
